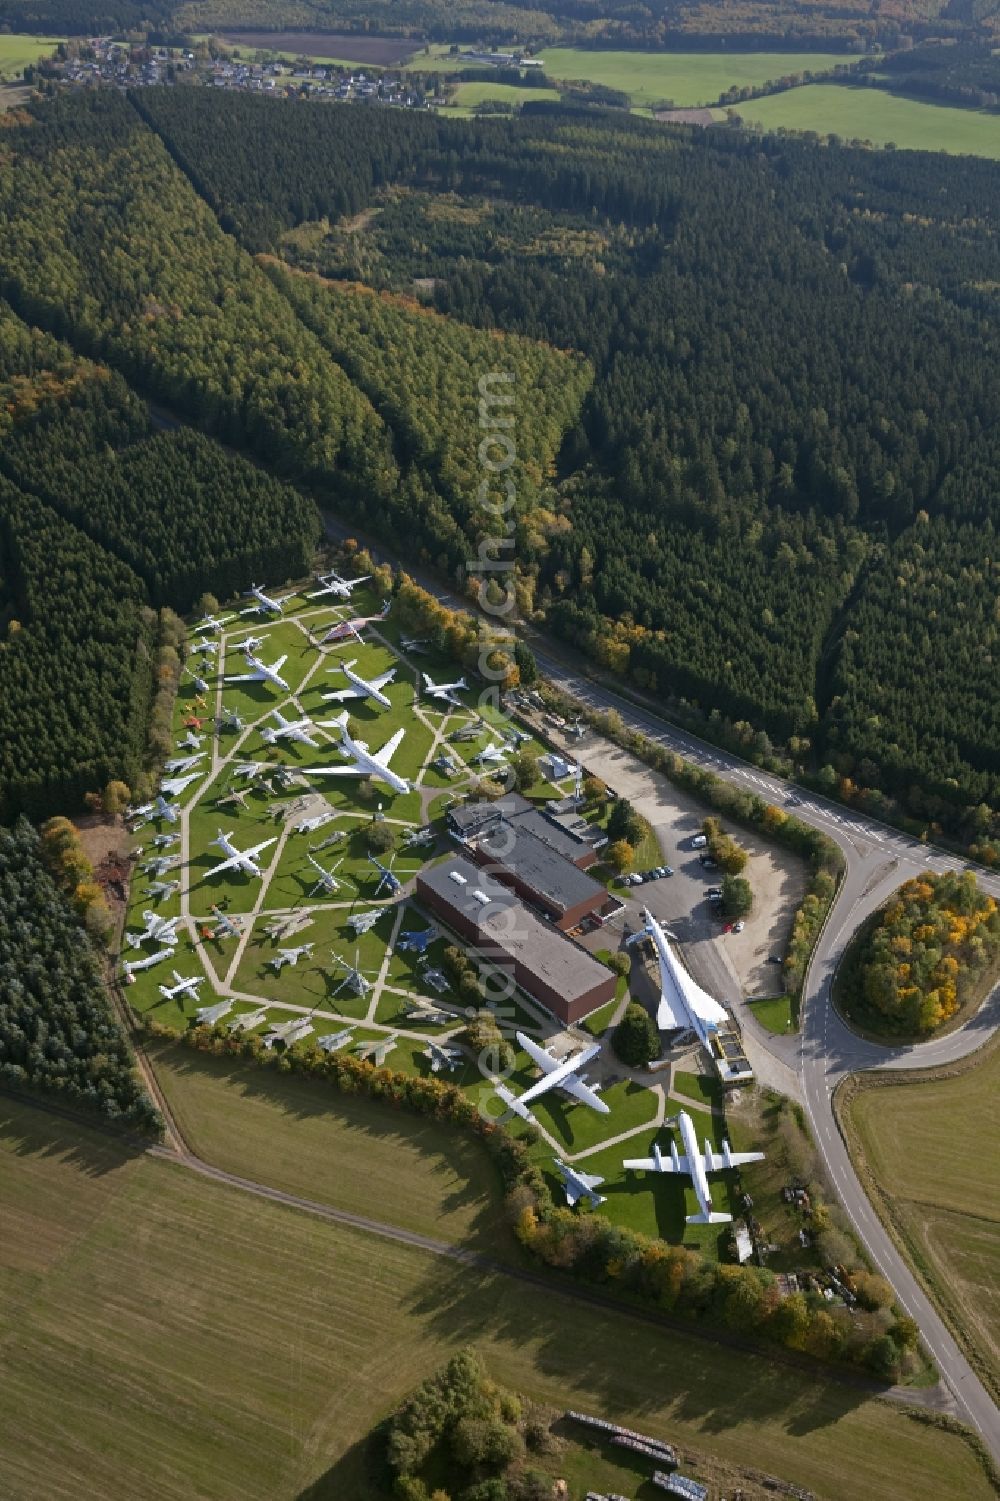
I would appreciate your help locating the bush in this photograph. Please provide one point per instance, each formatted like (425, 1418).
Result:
(485, 1441)
(381, 837)
(619, 856)
(636, 1039)
(737, 896)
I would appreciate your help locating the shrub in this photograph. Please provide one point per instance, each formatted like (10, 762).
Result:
(636, 1039)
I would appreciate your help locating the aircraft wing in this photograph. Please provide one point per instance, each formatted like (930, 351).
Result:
(252, 854)
(384, 678)
(736, 1159)
(225, 865)
(650, 1165)
(277, 666)
(385, 755)
(583, 1092)
(245, 677)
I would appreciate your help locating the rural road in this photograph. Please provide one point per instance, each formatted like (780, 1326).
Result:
(829, 1050)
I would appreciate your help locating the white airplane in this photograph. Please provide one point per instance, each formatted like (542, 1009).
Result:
(376, 1050)
(387, 877)
(445, 691)
(419, 1010)
(162, 929)
(365, 762)
(332, 583)
(284, 927)
(131, 965)
(695, 1166)
(228, 927)
(316, 822)
(205, 648)
(249, 644)
(209, 1015)
(442, 1059)
(247, 1020)
(289, 1032)
(245, 861)
(264, 604)
(326, 880)
(261, 673)
(493, 755)
(249, 769)
(345, 629)
(363, 922)
(161, 890)
(230, 720)
(579, 1185)
(287, 729)
(182, 987)
(192, 740)
(558, 1073)
(683, 1003)
(213, 622)
(361, 687)
(174, 786)
(183, 763)
(334, 1041)
(158, 808)
(290, 956)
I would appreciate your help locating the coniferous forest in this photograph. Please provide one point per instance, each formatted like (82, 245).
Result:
(758, 381)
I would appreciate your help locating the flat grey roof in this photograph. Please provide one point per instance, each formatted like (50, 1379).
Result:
(540, 866)
(504, 922)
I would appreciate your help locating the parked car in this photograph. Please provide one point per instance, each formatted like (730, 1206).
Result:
(708, 861)
(714, 891)
(699, 842)
(739, 926)
(668, 870)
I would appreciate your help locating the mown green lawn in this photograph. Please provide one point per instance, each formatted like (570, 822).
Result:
(684, 78)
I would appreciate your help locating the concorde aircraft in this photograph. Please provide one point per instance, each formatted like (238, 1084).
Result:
(360, 687)
(445, 691)
(694, 1165)
(683, 1004)
(557, 1073)
(264, 603)
(579, 1185)
(366, 763)
(288, 729)
(245, 861)
(261, 673)
(345, 629)
(332, 583)
(182, 987)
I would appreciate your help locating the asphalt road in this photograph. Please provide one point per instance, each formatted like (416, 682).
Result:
(878, 858)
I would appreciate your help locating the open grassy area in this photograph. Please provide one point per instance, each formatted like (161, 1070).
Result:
(468, 95)
(165, 1337)
(929, 1145)
(17, 52)
(871, 114)
(684, 78)
(355, 1154)
(704, 1087)
(775, 1013)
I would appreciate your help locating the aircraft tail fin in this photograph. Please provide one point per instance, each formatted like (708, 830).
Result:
(511, 1099)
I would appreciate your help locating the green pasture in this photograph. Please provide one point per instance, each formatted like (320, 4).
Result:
(873, 115)
(686, 79)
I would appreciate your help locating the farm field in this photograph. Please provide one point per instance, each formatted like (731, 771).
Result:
(17, 52)
(686, 78)
(353, 1153)
(167, 1337)
(468, 95)
(325, 46)
(870, 114)
(943, 1193)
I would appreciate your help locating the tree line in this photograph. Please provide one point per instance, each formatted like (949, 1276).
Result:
(57, 1030)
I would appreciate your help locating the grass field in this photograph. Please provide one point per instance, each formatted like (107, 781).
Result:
(345, 1151)
(468, 95)
(165, 1337)
(942, 1192)
(17, 52)
(775, 1014)
(685, 78)
(870, 114)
